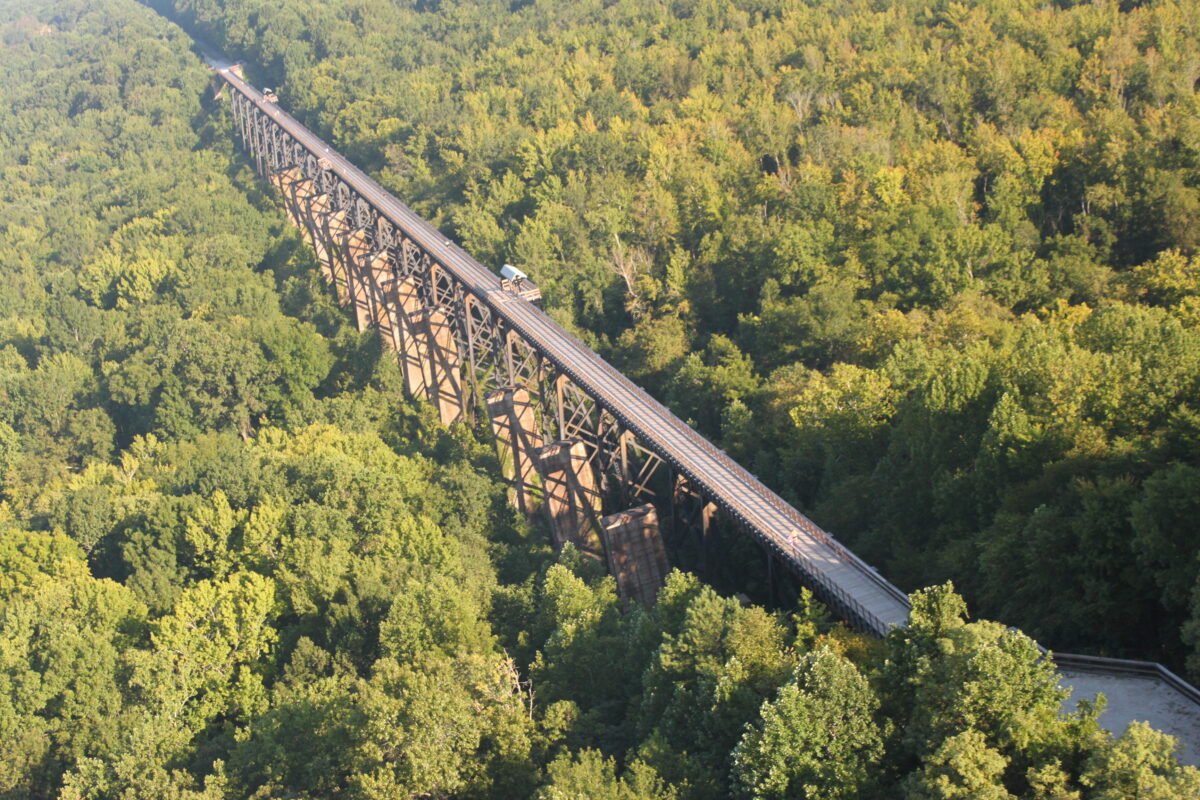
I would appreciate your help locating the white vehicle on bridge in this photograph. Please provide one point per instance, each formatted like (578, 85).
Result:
(512, 273)
(515, 281)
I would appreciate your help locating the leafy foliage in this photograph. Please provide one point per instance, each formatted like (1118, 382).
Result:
(931, 270)
(854, 242)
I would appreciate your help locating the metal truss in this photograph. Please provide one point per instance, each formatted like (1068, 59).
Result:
(493, 355)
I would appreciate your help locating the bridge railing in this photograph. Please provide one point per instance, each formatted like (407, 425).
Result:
(1101, 665)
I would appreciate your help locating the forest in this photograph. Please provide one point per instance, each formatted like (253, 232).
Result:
(930, 269)
(942, 293)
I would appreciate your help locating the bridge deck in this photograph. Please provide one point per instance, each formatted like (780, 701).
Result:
(776, 524)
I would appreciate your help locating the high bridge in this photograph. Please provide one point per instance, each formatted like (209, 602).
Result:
(611, 465)
(466, 342)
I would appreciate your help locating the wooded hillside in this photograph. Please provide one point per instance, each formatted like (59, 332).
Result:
(931, 270)
(236, 563)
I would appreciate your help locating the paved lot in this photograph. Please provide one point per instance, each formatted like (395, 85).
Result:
(1132, 697)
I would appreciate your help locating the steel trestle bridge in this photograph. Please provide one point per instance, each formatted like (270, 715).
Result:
(574, 434)
(508, 341)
